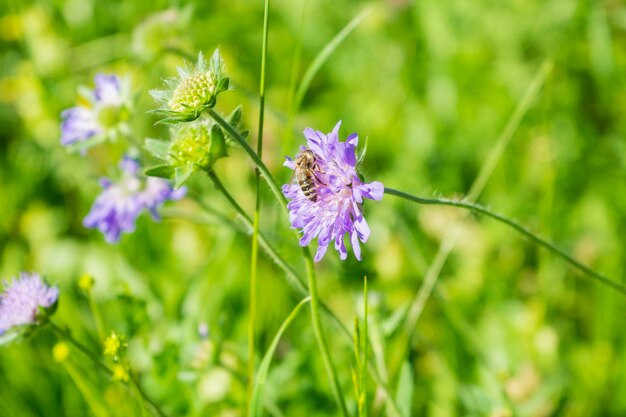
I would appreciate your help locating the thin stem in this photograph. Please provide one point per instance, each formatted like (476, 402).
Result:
(86, 351)
(516, 226)
(257, 212)
(300, 287)
(283, 203)
(255, 158)
(103, 367)
(319, 333)
(294, 280)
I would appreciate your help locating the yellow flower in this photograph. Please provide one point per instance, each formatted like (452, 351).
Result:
(86, 282)
(119, 373)
(114, 344)
(60, 352)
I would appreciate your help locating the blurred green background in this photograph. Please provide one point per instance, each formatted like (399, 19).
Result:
(509, 330)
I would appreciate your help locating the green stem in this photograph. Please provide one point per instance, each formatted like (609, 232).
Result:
(319, 333)
(103, 367)
(292, 276)
(315, 302)
(516, 226)
(262, 168)
(257, 210)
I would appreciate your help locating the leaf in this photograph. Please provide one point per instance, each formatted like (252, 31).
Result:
(404, 394)
(218, 144)
(161, 171)
(222, 85)
(235, 117)
(261, 379)
(181, 174)
(216, 63)
(158, 148)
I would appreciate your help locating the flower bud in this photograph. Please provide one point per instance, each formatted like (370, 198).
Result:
(192, 92)
(197, 146)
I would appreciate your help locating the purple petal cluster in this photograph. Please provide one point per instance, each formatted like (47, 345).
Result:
(116, 209)
(82, 122)
(338, 208)
(22, 300)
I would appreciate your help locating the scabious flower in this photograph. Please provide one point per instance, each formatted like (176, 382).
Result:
(99, 113)
(337, 208)
(26, 301)
(193, 91)
(117, 208)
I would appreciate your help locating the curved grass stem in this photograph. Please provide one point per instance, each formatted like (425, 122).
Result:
(515, 226)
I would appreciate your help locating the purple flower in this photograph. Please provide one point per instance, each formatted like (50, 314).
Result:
(334, 207)
(23, 299)
(116, 209)
(98, 111)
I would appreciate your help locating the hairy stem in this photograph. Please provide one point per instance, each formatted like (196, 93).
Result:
(514, 225)
(300, 287)
(261, 167)
(319, 333)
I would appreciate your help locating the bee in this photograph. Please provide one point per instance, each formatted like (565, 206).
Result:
(305, 173)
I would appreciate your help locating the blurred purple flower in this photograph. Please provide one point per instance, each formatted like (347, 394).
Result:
(22, 300)
(98, 111)
(337, 209)
(116, 209)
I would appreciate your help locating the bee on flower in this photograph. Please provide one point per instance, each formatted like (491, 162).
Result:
(326, 196)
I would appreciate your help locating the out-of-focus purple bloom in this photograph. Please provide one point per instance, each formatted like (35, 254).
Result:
(338, 206)
(98, 111)
(22, 301)
(116, 209)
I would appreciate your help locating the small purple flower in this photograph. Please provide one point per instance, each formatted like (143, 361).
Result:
(98, 111)
(337, 208)
(116, 209)
(22, 301)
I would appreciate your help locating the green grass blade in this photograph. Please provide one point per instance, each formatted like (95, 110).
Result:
(404, 394)
(261, 378)
(323, 56)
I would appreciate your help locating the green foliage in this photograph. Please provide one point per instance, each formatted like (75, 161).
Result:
(509, 329)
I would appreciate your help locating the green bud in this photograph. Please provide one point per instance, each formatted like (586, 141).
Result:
(192, 92)
(197, 146)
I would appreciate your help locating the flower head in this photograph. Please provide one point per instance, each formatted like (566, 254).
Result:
(193, 91)
(116, 209)
(26, 301)
(114, 344)
(327, 199)
(100, 112)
